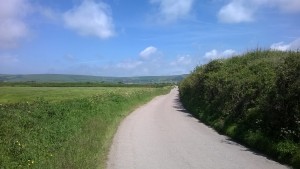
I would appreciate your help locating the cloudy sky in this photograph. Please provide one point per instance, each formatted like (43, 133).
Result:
(136, 38)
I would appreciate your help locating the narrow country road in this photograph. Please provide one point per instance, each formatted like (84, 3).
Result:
(161, 135)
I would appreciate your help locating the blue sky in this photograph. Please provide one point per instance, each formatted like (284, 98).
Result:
(137, 38)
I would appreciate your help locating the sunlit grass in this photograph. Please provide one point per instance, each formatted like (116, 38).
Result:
(63, 127)
(17, 94)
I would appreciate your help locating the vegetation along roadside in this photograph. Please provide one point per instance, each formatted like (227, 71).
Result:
(69, 127)
(254, 98)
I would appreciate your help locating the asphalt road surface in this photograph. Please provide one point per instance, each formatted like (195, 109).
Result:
(162, 135)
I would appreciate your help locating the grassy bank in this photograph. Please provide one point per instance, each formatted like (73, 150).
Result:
(63, 127)
(254, 99)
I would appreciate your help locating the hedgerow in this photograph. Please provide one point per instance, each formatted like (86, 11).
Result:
(254, 98)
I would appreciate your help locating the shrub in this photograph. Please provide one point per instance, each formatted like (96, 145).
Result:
(254, 98)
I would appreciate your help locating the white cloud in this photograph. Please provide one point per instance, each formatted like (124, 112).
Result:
(281, 46)
(183, 64)
(129, 64)
(182, 60)
(237, 11)
(90, 19)
(172, 10)
(214, 54)
(228, 53)
(153, 66)
(12, 25)
(148, 52)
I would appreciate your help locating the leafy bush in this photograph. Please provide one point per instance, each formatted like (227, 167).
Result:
(254, 98)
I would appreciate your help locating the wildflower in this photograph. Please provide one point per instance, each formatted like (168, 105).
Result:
(30, 162)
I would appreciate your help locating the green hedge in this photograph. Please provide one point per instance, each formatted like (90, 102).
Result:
(254, 98)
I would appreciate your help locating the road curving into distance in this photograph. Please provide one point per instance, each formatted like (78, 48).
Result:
(162, 135)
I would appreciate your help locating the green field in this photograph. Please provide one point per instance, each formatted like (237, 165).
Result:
(67, 127)
(54, 94)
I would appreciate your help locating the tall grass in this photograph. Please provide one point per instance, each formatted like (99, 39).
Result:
(254, 98)
(69, 133)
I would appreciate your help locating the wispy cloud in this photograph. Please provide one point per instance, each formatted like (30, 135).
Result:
(9, 63)
(281, 46)
(48, 13)
(90, 19)
(69, 57)
(148, 52)
(8, 58)
(131, 64)
(215, 54)
(13, 27)
(182, 60)
(183, 64)
(289, 6)
(172, 10)
(155, 65)
(237, 11)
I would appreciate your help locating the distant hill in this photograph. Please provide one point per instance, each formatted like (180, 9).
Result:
(61, 78)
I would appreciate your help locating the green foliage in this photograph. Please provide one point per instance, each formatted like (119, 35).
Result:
(254, 98)
(74, 132)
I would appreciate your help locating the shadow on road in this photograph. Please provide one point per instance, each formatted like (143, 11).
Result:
(226, 140)
(179, 107)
